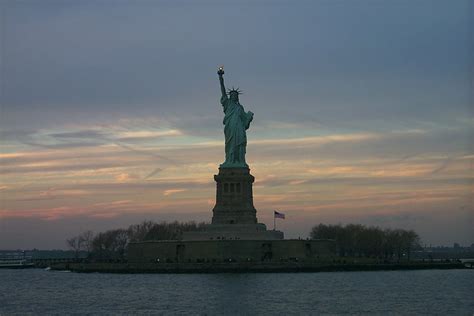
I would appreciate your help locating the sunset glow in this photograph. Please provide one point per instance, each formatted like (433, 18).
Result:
(99, 134)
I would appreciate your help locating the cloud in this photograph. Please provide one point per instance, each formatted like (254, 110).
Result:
(57, 167)
(75, 144)
(352, 114)
(114, 203)
(316, 140)
(153, 173)
(148, 153)
(94, 134)
(121, 207)
(444, 164)
(173, 191)
(130, 136)
(125, 177)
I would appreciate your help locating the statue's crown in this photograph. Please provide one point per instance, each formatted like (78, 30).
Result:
(238, 91)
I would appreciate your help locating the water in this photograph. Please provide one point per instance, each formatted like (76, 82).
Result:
(34, 291)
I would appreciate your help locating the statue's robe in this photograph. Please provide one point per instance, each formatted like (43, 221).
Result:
(236, 122)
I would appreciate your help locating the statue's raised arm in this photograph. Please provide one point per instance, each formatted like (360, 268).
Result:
(220, 72)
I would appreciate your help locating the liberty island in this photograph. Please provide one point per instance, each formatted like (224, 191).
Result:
(235, 241)
(234, 235)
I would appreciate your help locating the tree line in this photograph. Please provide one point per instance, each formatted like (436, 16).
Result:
(351, 240)
(113, 243)
(359, 240)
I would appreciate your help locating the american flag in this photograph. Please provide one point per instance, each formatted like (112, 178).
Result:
(279, 215)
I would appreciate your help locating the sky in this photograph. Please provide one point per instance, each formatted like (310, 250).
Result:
(110, 114)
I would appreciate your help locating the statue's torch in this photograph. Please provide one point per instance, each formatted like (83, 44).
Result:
(220, 71)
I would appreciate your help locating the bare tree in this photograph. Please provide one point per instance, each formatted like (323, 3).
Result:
(139, 232)
(75, 243)
(86, 240)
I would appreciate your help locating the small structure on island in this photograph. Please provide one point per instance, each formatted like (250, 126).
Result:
(234, 234)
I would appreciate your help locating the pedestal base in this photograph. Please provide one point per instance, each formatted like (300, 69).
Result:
(234, 232)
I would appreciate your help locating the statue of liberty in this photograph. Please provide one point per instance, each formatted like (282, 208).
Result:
(236, 122)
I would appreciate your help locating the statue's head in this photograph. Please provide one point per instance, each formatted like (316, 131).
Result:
(234, 94)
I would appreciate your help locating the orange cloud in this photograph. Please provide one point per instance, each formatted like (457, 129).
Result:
(173, 191)
(125, 177)
(149, 133)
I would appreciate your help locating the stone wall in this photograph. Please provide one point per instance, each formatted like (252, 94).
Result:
(231, 251)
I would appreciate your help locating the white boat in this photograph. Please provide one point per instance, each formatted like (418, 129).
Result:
(15, 264)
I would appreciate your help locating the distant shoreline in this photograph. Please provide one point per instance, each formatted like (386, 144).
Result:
(245, 267)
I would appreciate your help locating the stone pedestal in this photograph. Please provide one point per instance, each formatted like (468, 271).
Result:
(234, 197)
(234, 216)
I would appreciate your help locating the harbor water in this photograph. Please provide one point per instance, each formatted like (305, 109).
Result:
(41, 292)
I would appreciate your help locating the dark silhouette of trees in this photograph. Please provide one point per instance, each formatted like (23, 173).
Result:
(81, 242)
(352, 240)
(359, 240)
(87, 237)
(74, 243)
(139, 232)
(112, 244)
(162, 231)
